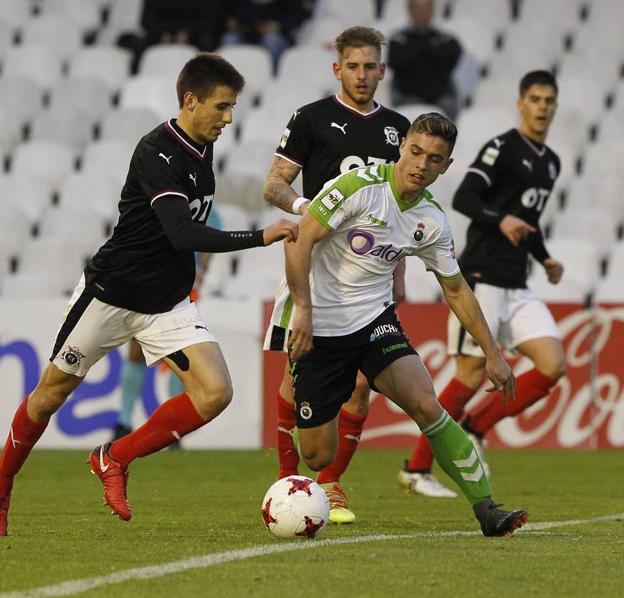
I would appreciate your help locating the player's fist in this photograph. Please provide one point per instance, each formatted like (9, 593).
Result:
(554, 270)
(282, 229)
(515, 229)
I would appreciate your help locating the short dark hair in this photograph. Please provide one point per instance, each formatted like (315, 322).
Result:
(357, 37)
(537, 78)
(203, 73)
(433, 123)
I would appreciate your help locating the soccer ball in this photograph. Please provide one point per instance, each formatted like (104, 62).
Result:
(295, 506)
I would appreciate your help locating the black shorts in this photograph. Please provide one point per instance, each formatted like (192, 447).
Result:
(325, 378)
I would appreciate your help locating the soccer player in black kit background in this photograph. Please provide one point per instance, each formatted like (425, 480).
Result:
(137, 286)
(504, 193)
(323, 140)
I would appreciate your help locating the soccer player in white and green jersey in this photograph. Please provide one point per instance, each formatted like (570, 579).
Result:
(338, 307)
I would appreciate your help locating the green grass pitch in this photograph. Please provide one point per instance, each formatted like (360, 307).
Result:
(190, 504)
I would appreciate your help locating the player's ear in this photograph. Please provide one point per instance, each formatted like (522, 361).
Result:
(337, 70)
(190, 101)
(448, 163)
(382, 70)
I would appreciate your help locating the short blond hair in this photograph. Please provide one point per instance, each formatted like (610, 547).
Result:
(357, 37)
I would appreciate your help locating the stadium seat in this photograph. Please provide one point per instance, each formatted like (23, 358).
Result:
(420, 285)
(93, 191)
(15, 13)
(110, 158)
(128, 124)
(88, 95)
(595, 190)
(16, 225)
(569, 129)
(32, 285)
(48, 161)
(346, 9)
(253, 158)
(604, 158)
(560, 18)
(580, 259)
(154, 93)
(573, 84)
(71, 221)
(317, 64)
(7, 38)
(86, 13)
(496, 91)
(234, 217)
(568, 289)
(34, 62)
(124, 17)
(595, 223)
(459, 225)
(29, 194)
(11, 131)
(322, 31)
(264, 124)
(610, 289)
(21, 96)
(243, 190)
(59, 35)
(166, 60)
(63, 123)
(109, 64)
(602, 32)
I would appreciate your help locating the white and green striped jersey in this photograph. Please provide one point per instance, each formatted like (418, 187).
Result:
(371, 230)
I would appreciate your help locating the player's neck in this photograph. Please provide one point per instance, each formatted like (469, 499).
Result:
(539, 137)
(187, 127)
(361, 108)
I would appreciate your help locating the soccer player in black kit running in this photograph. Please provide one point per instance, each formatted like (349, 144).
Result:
(323, 140)
(137, 286)
(504, 193)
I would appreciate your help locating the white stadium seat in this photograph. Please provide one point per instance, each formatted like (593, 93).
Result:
(124, 17)
(155, 93)
(86, 13)
(88, 95)
(56, 33)
(111, 65)
(34, 62)
(315, 63)
(11, 131)
(420, 285)
(129, 124)
(166, 60)
(16, 13)
(110, 158)
(93, 191)
(579, 257)
(65, 124)
(29, 194)
(21, 96)
(48, 161)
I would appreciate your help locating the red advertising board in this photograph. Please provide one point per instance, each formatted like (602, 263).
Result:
(585, 410)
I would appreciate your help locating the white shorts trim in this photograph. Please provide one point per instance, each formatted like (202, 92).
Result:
(513, 315)
(102, 327)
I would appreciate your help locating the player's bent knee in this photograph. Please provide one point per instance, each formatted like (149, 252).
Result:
(211, 402)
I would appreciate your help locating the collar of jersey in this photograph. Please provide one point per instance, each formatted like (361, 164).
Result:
(196, 149)
(376, 109)
(405, 205)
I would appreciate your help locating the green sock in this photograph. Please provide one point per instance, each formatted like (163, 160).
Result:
(457, 457)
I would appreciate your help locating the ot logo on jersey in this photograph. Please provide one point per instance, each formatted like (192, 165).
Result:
(351, 162)
(535, 198)
(362, 242)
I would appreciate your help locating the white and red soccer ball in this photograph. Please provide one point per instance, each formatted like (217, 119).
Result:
(295, 506)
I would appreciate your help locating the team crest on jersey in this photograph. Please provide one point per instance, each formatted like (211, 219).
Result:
(332, 199)
(305, 411)
(72, 356)
(420, 231)
(285, 137)
(392, 135)
(552, 171)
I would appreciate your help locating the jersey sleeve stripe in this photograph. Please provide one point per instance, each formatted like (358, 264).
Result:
(482, 174)
(163, 193)
(288, 159)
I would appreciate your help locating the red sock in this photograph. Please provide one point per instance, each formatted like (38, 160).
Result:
(530, 387)
(174, 419)
(286, 450)
(349, 432)
(23, 435)
(453, 398)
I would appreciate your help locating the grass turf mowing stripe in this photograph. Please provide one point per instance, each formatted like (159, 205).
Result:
(77, 586)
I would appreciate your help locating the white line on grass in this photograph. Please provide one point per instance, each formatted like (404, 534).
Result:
(78, 586)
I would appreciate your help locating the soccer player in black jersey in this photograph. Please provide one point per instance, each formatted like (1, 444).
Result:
(137, 286)
(504, 193)
(323, 140)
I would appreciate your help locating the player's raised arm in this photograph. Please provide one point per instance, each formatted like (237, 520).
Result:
(298, 256)
(465, 306)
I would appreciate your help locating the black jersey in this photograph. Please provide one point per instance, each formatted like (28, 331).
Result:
(327, 138)
(511, 175)
(137, 268)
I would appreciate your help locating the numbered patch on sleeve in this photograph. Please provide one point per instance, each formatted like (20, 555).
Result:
(490, 155)
(285, 137)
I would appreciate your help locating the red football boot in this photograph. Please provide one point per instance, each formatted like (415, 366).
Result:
(114, 477)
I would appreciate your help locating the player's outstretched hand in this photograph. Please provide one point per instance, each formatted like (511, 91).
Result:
(515, 229)
(300, 341)
(282, 229)
(554, 270)
(499, 372)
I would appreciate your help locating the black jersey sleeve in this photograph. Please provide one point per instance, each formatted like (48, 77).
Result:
(537, 248)
(482, 176)
(158, 171)
(297, 141)
(186, 235)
